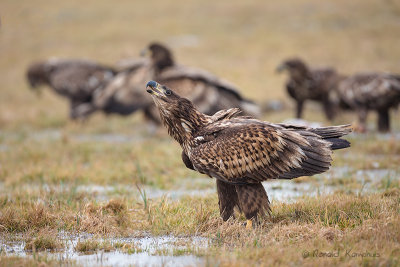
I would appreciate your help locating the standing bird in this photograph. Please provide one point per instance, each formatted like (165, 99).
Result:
(241, 152)
(208, 92)
(311, 84)
(76, 80)
(371, 91)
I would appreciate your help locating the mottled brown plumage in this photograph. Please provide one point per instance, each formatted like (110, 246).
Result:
(241, 152)
(208, 92)
(371, 91)
(311, 84)
(76, 80)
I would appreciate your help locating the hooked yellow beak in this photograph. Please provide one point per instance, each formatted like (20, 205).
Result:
(154, 88)
(280, 68)
(145, 52)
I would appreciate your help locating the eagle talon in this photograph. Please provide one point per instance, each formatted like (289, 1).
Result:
(249, 224)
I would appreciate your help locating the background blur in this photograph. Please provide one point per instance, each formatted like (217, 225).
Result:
(241, 41)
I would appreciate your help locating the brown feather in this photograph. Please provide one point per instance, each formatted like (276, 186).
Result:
(318, 84)
(243, 152)
(208, 92)
(75, 79)
(371, 91)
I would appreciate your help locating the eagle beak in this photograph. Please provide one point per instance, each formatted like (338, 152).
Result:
(145, 52)
(154, 88)
(280, 68)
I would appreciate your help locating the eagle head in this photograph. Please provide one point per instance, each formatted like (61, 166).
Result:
(296, 68)
(37, 74)
(160, 55)
(170, 104)
(163, 97)
(292, 64)
(178, 114)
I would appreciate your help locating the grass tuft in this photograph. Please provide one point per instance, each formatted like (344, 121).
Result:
(44, 240)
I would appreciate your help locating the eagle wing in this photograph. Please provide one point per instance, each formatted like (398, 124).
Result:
(207, 91)
(180, 71)
(125, 94)
(249, 151)
(80, 80)
(371, 90)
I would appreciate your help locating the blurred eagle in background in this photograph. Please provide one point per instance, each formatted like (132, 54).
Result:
(74, 79)
(242, 152)
(371, 91)
(209, 93)
(304, 83)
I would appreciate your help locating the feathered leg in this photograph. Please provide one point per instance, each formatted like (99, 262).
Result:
(329, 108)
(383, 120)
(73, 104)
(362, 120)
(253, 201)
(299, 109)
(227, 199)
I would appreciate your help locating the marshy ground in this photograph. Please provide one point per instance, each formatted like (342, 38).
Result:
(111, 191)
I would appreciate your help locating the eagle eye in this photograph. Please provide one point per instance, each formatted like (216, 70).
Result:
(168, 92)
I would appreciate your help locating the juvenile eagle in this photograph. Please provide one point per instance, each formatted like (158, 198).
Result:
(76, 80)
(241, 152)
(371, 91)
(208, 92)
(122, 95)
(311, 84)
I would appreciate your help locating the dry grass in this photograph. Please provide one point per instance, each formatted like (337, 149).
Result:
(6, 261)
(111, 217)
(335, 223)
(43, 240)
(339, 222)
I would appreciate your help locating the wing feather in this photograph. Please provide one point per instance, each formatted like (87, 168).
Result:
(259, 151)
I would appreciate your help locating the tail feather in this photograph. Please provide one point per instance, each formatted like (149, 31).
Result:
(332, 131)
(318, 152)
(337, 143)
(332, 135)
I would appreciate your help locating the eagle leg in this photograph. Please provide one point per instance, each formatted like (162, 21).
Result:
(299, 108)
(330, 109)
(362, 120)
(253, 201)
(227, 199)
(73, 104)
(383, 120)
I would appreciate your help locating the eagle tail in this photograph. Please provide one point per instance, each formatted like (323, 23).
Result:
(317, 153)
(332, 135)
(337, 143)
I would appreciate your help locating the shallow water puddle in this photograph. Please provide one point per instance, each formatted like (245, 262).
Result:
(57, 134)
(149, 251)
(278, 190)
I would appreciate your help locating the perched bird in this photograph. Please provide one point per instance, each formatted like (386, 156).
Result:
(74, 79)
(241, 152)
(371, 91)
(209, 93)
(311, 84)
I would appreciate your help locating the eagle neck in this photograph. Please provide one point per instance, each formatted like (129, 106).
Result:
(184, 125)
